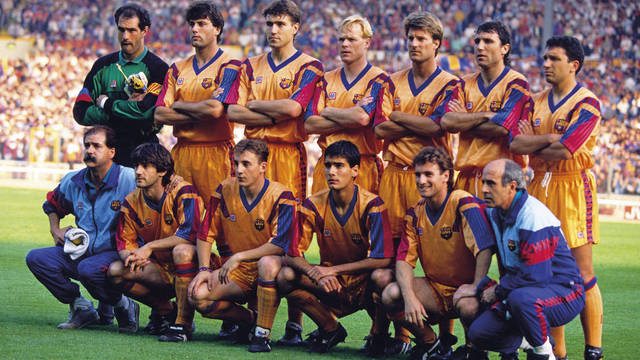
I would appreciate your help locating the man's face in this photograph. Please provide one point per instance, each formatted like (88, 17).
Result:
(488, 50)
(280, 30)
(147, 176)
(353, 46)
(430, 180)
(203, 33)
(249, 169)
(495, 194)
(130, 36)
(421, 45)
(557, 67)
(96, 152)
(338, 173)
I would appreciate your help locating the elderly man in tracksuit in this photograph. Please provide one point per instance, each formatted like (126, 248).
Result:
(540, 286)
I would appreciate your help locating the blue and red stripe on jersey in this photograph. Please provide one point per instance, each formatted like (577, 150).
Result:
(578, 132)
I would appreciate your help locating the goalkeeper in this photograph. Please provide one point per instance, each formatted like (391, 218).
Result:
(121, 89)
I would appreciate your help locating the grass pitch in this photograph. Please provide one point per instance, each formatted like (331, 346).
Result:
(29, 314)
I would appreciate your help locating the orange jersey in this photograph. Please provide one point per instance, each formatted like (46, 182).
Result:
(576, 118)
(235, 225)
(508, 96)
(261, 79)
(446, 241)
(430, 99)
(142, 221)
(186, 82)
(363, 231)
(337, 92)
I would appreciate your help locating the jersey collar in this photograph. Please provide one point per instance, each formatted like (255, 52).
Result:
(417, 90)
(487, 90)
(344, 218)
(345, 82)
(213, 59)
(553, 107)
(255, 202)
(275, 68)
(137, 60)
(434, 217)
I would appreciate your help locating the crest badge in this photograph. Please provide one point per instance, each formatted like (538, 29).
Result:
(356, 238)
(285, 83)
(495, 106)
(114, 83)
(446, 232)
(357, 98)
(168, 219)
(423, 108)
(512, 245)
(561, 125)
(259, 224)
(207, 82)
(115, 205)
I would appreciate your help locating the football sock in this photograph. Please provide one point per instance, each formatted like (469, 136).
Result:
(310, 305)
(184, 274)
(268, 301)
(591, 315)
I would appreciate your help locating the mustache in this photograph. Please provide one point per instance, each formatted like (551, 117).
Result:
(88, 157)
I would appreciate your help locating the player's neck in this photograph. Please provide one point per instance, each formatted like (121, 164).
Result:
(422, 70)
(278, 55)
(154, 192)
(490, 74)
(97, 173)
(132, 56)
(205, 54)
(563, 88)
(435, 202)
(342, 198)
(252, 191)
(352, 70)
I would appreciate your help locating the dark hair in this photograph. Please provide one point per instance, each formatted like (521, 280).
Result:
(284, 7)
(344, 149)
(206, 9)
(571, 46)
(424, 20)
(109, 134)
(156, 155)
(257, 147)
(438, 156)
(133, 10)
(503, 34)
(513, 172)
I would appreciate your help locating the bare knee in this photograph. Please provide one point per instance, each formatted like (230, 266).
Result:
(269, 267)
(183, 253)
(116, 271)
(381, 278)
(467, 309)
(391, 295)
(285, 278)
(200, 298)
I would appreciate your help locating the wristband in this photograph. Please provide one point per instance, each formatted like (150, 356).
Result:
(102, 102)
(204, 268)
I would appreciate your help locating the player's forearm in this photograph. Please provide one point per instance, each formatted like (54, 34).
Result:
(352, 117)
(205, 110)
(489, 129)
(263, 250)
(420, 125)
(364, 265)
(317, 124)
(167, 243)
(390, 130)
(167, 116)
(527, 144)
(242, 115)
(279, 110)
(298, 263)
(203, 248)
(556, 151)
(404, 277)
(454, 122)
(54, 221)
(483, 262)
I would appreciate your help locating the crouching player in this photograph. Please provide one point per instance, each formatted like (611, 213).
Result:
(156, 241)
(354, 238)
(448, 232)
(249, 217)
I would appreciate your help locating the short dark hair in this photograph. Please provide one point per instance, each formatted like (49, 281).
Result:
(256, 146)
(156, 155)
(344, 149)
(133, 10)
(438, 156)
(206, 9)
(284, 7)
(109, 134)
(503, 32)
(571, 46)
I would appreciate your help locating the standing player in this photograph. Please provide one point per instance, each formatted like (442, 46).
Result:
(156, 237)
(193, 101)
(495, 99)
(248, 217)
(339, 115)
(352, 230)
(566, 123)
(272, 92)
(104, 100)
(452, 222)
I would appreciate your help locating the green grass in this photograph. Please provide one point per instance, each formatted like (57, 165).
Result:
(29, 313)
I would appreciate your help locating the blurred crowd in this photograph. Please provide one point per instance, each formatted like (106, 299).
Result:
(38, 92)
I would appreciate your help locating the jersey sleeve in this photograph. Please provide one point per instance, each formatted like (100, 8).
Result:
(57, 202)
(168, 92)
(85, 111)
(241, 87)
(475, 226)
(515, 99)
(451, 91)
(377, 220)
(283, 221)
(305, 82)
(318, 100)
(584, 118)
(385, 100)
(408, 248)
(126, 234)
(187, 209)
(527, 115)
(309, 222)
(211, 226)
(226, 80)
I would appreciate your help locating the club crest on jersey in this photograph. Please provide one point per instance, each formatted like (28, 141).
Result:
(180, 81)
(168, 219)
(356, 238)
(114, 83)
(259, 224)
(148, 222)
(207, 82)
(232, 217)
(537, 122)
(332, 95)
(512, 245)
(561, 125)
(259, 80)
(423, 108)
(357, 98)
(285, 83)
(495, 106)
(469, 105)
(446, 232)
(115, 205)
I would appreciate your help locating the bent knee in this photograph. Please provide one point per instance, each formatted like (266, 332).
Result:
(183, 253)
(391, 294)
(467, 308)
(381, 278)
(116, 270)
(269, 267)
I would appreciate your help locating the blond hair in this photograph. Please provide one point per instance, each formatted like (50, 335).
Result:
(367, 32)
